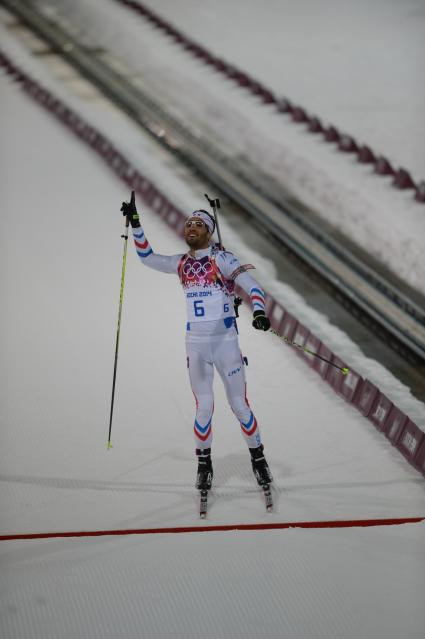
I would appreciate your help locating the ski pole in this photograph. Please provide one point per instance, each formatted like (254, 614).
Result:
(344, 370)
(124, 259)
(215, 204)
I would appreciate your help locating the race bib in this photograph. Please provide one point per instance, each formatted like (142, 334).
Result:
(208, 304)
(208, 296)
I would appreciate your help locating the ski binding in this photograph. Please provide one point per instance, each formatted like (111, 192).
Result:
(268, 497)
(203, 505)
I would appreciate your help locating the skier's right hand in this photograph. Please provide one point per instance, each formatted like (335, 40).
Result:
(129, 210)
(261, 322)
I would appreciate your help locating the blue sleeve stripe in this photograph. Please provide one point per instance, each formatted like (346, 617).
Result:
(257, 290)
(261, 306)
(141, 236)
(143, 254)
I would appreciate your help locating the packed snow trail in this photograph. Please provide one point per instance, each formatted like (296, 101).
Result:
(156, 166)
(63, 260)
(356, 65)
(327, 460)
(383, 221)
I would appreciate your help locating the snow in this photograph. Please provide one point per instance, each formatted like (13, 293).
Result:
(368, 88)
(73, 306)
(300, 585)
(357, 65)
(63, 265)
(155, 164)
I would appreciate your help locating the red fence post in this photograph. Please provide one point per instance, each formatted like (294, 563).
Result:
(410, 441)
(366, 396)
(380, 411)
(276, 316)
(288, 326)
(313, 344)
(394, 424)
(319, 365)
(350, 383)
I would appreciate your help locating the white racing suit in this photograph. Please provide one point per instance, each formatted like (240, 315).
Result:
(208, 281)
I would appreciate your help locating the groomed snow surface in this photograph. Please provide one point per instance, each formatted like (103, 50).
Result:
(61, 250)
(357, 65)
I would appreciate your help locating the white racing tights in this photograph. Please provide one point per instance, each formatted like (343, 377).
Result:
(216, 346)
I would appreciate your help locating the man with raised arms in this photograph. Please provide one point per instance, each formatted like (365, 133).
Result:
(208, 276)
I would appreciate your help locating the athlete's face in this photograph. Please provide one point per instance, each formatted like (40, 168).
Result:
(197, 234)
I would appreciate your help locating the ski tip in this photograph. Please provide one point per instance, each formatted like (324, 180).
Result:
(345, 371)
(109, 445)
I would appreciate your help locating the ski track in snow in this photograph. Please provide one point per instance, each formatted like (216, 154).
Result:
(63, 261)
(153, 162)
(303, 585)
(386, 222)
(78, 374)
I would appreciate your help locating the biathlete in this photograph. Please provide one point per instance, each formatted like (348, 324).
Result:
(208, 276)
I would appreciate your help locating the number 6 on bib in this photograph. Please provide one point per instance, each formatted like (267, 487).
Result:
(199, 308)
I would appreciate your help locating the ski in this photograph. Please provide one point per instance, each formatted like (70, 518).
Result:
(203, 500)
(268, 497)
(203, 504)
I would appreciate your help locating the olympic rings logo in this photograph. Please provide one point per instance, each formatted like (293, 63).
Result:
(194, 269)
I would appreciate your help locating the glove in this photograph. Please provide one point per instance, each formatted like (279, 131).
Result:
(261, 322)
(129, 210)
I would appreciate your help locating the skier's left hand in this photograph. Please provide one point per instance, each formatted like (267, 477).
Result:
(129, 210)
(261, 322)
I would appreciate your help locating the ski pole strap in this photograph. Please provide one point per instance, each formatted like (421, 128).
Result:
(344, 370)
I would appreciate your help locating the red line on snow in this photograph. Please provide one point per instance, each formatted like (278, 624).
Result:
(347, 523)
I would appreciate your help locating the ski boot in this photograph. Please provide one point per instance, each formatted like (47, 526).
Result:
(260, 467)
(205, 473)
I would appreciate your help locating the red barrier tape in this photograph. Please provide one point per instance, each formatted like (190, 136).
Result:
(362, 394)
(347, 523)
(345, 143)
